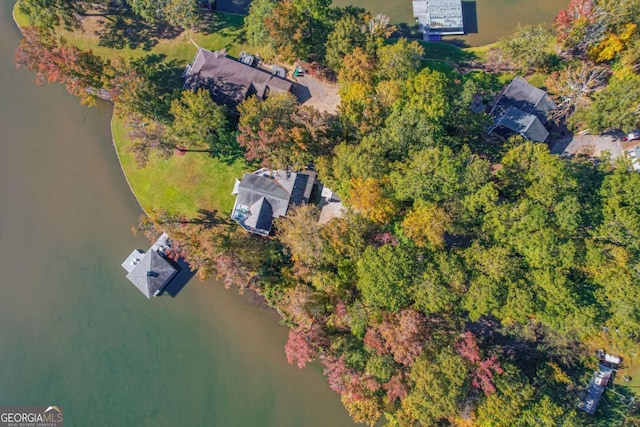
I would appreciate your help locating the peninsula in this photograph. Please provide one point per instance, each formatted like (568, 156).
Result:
(481, 262)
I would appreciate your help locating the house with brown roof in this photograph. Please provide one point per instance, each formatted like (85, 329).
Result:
(231, 81)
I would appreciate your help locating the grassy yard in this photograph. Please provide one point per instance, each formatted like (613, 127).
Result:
(180, 184)
(111, 35)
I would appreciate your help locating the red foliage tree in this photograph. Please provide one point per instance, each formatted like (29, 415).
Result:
(54, 61)
(373, 340)
(385, 238)
(483, 376)
(341, 316)
(396, 389)
(483, 370)
(337, 373)
(404, 335)
(578, 10)
(349, 383)
(468, 348)
(298, 348)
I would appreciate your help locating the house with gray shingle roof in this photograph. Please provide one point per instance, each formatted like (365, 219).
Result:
(522, 109)
(231, 81)
(150, 271)
(266, 194)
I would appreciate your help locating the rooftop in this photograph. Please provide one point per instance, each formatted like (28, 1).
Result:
(523, 109)
(596, 388)
(266, 194)
(231, 81)
(150, 271)
(439, 17)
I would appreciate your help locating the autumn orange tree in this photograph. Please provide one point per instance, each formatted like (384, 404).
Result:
(371, 197)
(279, 133)
(53, 60)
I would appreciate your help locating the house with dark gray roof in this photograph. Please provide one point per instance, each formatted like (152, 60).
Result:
(267, 194)
(231, 81)
(150, 271)
(522, 109)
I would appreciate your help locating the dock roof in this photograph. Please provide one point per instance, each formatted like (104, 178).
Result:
(150, 271)
(439, 17)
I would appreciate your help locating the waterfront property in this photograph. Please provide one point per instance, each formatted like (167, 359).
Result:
(438, 17)
(267, 194)
(231, 81)
(150, 271)
(522, 109)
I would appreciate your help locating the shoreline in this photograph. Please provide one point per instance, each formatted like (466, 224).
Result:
(115, 148)
(113, 141)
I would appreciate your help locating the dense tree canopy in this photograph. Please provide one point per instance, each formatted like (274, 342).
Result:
(48, 14)
(469, 279)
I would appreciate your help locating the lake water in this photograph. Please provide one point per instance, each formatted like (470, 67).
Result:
(485, 20)
(75, 333)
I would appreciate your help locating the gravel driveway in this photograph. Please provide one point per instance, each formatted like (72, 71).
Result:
(590, 145)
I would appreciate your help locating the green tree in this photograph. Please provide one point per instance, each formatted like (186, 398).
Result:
(528, 48)
(149, 138)
(442, 285)
(347, 34)
(399, 60)
(144, 86)
(505, 408)
(300, 233)
(149, 9)
(385, 277)
(438, 388)
(280, 134)
(200, 123)
(256, 30)
(48, 14)
(433, 174)
(181, 13)
(299, 28)
(614, 107)
(621, 209)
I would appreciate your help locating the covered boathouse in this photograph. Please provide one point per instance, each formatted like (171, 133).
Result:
(437, 18)
(150, 271)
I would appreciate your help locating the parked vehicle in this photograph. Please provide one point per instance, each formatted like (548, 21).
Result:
(632, 136)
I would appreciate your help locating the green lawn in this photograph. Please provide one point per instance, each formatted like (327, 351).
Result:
(127, 37)
(447, 52)
(180, 184)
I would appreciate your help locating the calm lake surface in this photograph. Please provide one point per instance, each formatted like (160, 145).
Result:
(75, 333)
(485, 20)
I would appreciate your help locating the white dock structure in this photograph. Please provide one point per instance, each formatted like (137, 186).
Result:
(438, 17)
